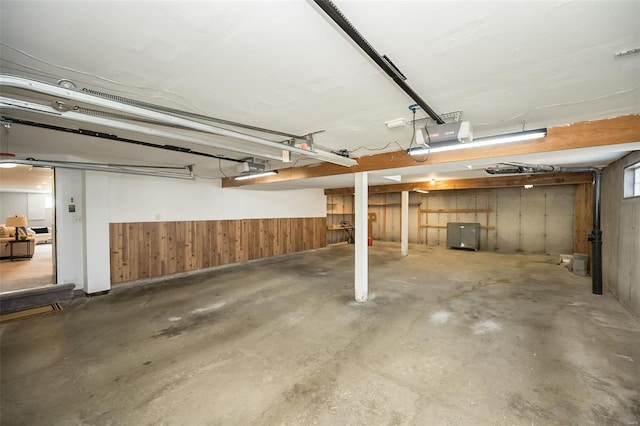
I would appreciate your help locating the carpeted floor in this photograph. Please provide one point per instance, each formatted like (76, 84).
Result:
(28, 273)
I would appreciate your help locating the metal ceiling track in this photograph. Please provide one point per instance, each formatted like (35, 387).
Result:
(383, 61)
(111, 168)
(8, 104)
(109, 136)
(71, 94)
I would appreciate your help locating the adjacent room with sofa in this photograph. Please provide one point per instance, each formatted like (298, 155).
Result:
(26, 260)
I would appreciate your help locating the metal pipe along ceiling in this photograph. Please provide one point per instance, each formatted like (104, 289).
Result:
(189, 114)
(74, 95)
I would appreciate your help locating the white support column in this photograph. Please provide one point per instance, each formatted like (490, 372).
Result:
(362, 249)
(70, 239)
(96, 230)
(404, 224)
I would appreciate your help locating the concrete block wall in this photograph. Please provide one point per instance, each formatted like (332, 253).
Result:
(537, 220)
(621, 236)
(460, 200)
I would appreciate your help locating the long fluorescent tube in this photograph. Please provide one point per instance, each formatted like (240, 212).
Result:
(74, 95)
(482, 142)
(257, 175)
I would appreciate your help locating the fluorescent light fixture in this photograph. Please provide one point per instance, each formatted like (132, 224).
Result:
(528, 186)
(422, 191)
(331, 158)
(482, 142)
(398, 122)
(7, 165)
(395, 178)
(257, 175)
(512, 137)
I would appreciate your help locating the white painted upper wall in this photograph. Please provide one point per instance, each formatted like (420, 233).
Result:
(135, 198)
(16, 203)
(82, 239)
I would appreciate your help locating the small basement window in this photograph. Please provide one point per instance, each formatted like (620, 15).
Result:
(632, 181)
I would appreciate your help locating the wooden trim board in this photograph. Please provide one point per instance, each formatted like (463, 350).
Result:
(488, 182)
(588, 134)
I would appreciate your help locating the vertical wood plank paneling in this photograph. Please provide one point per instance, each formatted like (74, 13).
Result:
(162, 248)
(153, 249)
(133, 241)
(116, 250)
(172, 244)
(288, 239)
(238, 246)
(218, 249)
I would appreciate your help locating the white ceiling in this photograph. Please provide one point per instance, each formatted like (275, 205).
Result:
(26, 179)
(286, 66)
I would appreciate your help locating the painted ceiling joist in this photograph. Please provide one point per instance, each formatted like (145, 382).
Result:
(477, 183)
(588, 134)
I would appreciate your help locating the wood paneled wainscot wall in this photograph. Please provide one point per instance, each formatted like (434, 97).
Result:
(153, 249)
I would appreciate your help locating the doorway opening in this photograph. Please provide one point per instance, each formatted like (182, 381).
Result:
(27, 192)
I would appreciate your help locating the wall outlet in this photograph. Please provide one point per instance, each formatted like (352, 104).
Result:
(77, 219)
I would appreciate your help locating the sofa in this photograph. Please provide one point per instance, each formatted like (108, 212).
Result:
(24, 250)
(42, 234)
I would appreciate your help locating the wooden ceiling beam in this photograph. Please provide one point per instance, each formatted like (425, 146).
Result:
(588, 134)
(477, 183)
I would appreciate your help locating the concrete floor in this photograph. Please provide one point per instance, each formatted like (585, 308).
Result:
(448, 337)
